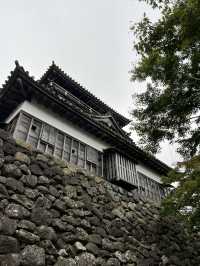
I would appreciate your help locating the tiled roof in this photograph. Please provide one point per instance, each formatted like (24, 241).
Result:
(55, 69)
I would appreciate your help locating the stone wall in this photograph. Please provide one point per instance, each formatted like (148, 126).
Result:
(54, 214)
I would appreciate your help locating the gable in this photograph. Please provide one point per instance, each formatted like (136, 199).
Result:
(55, 74)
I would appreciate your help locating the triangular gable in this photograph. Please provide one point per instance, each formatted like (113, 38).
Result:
(109, 121)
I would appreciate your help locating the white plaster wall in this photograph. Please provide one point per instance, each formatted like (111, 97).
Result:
(48, 116)
(148, 172)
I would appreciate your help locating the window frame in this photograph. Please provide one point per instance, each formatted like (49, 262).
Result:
(41, 140)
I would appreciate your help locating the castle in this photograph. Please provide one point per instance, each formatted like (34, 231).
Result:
(61, 118)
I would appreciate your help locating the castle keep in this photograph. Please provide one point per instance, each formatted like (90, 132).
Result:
(59, 117)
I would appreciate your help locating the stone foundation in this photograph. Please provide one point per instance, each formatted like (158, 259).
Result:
(52, 213)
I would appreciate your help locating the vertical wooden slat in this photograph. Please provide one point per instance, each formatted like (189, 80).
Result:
(129, 172)
(121, 170)
(63, 146)
(136, 174)
(110, 166)
(78, 152)
(114, 166)
(17, 124)
(40, 135)
(70, 156)
(29, 130)
(117, 167)
(132, 173)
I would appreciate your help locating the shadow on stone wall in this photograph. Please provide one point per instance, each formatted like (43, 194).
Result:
(52, 213)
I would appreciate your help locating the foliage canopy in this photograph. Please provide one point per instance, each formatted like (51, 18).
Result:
(169, 55)
(184, 201)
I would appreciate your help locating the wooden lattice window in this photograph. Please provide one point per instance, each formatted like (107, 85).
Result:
(54, 142)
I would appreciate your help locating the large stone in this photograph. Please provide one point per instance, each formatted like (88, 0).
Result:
(5, 135)
(22, 157)
(42, 157)
(3, 192)
(11, 170)
(65, 262)
(43, 180)
(7, 225)
(9, 149)
(79, 246)
(113, 262)
(86, 259)
(46, 232)
(3, 204)
(118, 212)
(36, 169)
(96, 239)
(67, 171)
(1, 161)
(70, 191)
(30, 180)
(81, 234)
(92, 248)
(2, 179)
(59, 225)
(27, 237)
(10, 260)
(15, 185)
(33, 255)
(41, 216)
(53, 191)
(31, 193)
(16, 211)
(25, 169)
(25, 224)
(8, 244)
(48, 247)
(23, 200)
(60, 205)
(43, 202)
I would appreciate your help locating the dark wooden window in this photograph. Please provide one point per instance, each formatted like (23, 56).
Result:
(81, 155)
(149, 188)
(94, 161)
(23, 127)
(74, 152)
(54, 142)
(120, 168)
(67, 148)
(34, 133)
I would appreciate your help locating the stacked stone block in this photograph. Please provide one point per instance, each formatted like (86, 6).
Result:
(52, 213)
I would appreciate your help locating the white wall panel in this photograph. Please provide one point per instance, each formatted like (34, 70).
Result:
(50, 117)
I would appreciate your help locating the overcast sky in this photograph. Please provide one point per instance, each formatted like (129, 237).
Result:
(90, 40)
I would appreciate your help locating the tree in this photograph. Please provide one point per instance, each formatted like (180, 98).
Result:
(184, 201)
(169, 55)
